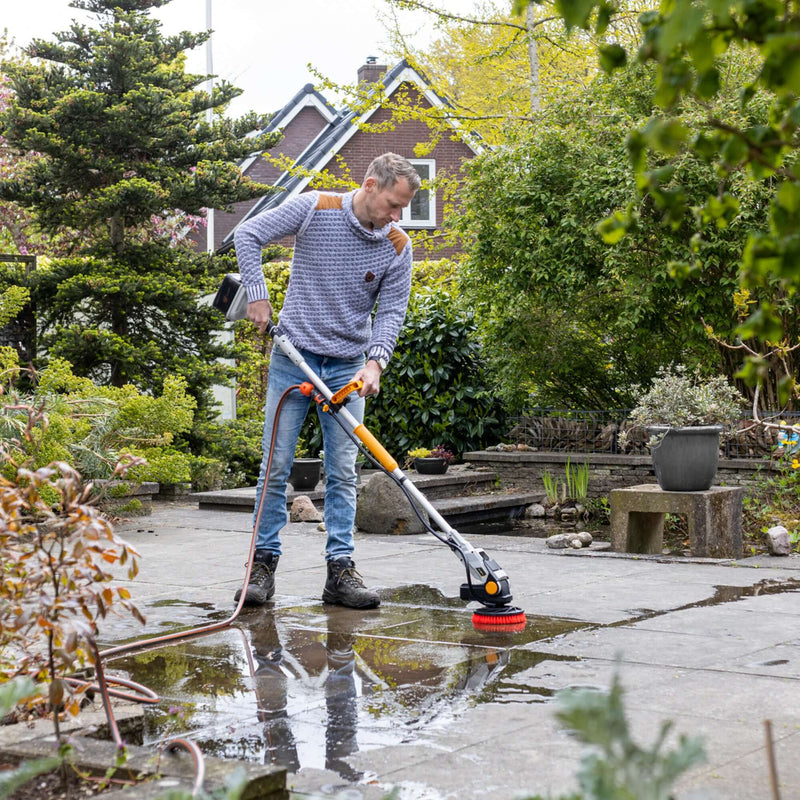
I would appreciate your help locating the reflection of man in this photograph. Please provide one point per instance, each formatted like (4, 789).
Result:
(271, 688)
(349, 255)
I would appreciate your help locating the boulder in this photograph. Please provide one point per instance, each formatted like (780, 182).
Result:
(383, 508)
(561, 541)
(303, 510)
(778, 541)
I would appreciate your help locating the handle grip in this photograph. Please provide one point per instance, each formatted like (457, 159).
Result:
(338, 397)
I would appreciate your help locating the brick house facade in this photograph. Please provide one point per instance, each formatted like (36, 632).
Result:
(317, 138)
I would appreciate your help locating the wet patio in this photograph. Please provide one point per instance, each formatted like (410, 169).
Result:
(410, 697)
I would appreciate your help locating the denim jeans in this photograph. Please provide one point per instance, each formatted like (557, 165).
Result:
(340, 451)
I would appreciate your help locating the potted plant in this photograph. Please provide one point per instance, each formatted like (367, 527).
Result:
(306, 471)
(684, 414)
(431, 461)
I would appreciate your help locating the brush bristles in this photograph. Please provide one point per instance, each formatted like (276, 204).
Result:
(498, 621)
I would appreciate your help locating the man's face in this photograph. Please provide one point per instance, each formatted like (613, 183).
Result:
(386, 205)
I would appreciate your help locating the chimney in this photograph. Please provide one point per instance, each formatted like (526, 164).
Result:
(371, 72)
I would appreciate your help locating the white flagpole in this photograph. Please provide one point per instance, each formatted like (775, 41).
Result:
(210, 118)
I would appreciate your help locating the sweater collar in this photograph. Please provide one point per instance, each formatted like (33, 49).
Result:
(374, 235)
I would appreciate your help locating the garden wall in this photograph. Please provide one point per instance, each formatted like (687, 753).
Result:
(523, 470)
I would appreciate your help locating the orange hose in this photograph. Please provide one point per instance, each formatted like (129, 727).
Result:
(141, 693)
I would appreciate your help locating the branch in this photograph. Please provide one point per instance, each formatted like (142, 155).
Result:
(415, 4)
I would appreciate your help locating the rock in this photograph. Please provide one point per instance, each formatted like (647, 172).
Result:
(534, 511)
(562, 541)
(383, 508)
(321, 527)
(778, 541)
(303, 510)
(569, 514)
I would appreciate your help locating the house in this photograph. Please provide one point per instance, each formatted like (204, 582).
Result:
(341, 144)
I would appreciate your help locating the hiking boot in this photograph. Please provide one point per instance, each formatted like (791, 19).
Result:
(344, 586)
(261, 585)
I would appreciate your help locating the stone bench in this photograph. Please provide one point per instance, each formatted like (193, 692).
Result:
(714, 519)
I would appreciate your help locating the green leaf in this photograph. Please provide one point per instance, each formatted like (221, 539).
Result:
(614, 228)
(576, 13)
(763, 324)
(612, 56)
(680, 27)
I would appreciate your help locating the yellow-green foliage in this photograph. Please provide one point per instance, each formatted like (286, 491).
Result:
(12, 301)
(91, 426)
(9, 360)
(164, 465)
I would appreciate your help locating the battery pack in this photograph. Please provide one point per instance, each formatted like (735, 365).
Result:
(231, 298)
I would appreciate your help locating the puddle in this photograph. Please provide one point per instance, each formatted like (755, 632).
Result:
(308, 686)
(722, 594)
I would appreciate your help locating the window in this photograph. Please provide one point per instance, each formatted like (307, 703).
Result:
(422, 211)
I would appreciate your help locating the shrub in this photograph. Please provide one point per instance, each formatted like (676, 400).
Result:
(57, 548)
(92, 426)
(435, 388)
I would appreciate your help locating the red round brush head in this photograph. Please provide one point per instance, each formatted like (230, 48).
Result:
(505, 618)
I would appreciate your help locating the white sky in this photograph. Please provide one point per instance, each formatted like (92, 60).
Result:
(261, 46)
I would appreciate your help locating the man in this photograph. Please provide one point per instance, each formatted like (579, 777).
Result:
(349, 254)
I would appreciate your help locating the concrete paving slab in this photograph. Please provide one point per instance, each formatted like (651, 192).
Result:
(441, 710)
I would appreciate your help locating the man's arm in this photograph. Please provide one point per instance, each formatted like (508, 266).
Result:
(392, 305)
(252, 236)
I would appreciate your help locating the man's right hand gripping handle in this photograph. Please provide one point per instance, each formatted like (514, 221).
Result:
(260, 314)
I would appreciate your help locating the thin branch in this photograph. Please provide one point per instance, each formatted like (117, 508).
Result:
(415, 4)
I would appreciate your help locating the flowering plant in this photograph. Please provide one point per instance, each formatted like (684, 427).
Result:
(440, 451)
(789, 441)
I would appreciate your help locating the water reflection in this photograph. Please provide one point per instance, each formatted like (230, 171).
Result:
(275, 668)
(308, 686)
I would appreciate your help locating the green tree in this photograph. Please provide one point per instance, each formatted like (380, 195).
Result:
(569, 320)
(496, 66)
(117, 143)
(688, 40)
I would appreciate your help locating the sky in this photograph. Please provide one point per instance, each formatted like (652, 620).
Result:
(262, 46)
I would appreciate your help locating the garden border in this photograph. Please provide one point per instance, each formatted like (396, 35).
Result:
(523, 469)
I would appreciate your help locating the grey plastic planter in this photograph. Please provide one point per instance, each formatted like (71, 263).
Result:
(685, 459)
(305, 474)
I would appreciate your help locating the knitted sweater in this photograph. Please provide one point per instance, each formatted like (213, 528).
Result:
(339, 271)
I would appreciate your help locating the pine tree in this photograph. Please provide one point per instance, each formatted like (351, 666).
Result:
(121, 152)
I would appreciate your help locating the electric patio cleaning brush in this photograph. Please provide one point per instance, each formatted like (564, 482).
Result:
(486, 582)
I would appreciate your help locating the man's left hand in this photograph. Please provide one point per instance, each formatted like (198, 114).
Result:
(370, 376)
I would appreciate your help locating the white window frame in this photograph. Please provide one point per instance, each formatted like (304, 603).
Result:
(405, 220)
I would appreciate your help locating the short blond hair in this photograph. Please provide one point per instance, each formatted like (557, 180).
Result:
(389, 168)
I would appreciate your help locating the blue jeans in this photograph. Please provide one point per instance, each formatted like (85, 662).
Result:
(340, 451)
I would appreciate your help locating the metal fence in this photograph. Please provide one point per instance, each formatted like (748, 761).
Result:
(597, 431)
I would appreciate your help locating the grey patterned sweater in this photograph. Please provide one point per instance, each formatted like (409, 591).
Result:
(339, 271)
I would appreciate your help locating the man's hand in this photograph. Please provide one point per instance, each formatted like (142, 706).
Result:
(259, 313)
(370, 375)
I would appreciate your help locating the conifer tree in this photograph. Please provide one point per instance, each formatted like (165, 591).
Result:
(119, 151)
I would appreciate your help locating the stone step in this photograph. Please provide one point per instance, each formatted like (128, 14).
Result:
(457, 482)
(478, 511)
